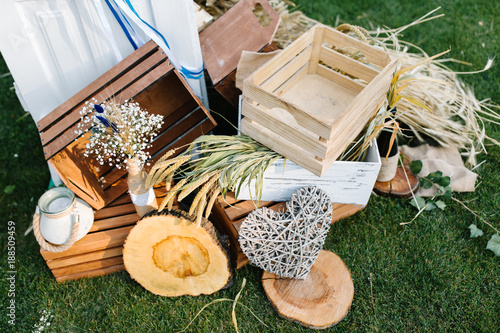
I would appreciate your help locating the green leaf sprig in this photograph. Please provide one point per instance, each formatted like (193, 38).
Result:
(444, 191)
(436, 179)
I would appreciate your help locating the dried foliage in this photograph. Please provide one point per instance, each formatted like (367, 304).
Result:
(448, 111)
(212, 165)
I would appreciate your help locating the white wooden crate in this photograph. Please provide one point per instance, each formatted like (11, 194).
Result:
(345, 182)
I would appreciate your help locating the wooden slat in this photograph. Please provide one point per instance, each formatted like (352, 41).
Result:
(238, 29)
(88, 266)
(123, 199)
(287, 71)
(84, 94)
(269, 100)
(92, 242)
(347, 64)
(92, 273)
(341, 211)
(116, 190)
(242, 260)
(342, 80)
(319, 33)
(179, 128)
(289, 131)
(243, 208)
(372, 54)
(112, 211)
(115, 222)
(282, 146)
(273, 65)
(86, 257)
(288, 84)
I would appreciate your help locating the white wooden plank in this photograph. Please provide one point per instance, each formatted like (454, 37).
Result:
(344, 182)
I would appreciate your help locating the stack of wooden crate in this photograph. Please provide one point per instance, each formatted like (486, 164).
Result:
(147, 77)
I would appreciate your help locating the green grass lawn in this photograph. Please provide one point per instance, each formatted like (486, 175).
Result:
(428, 276)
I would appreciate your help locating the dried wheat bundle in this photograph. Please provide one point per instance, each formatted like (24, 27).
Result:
(450, 114)
(293, 23)
(212, 165)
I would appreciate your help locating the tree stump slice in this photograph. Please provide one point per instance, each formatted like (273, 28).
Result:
(402, 185)
(170, 256)
(319, 301)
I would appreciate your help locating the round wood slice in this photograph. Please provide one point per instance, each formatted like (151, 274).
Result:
(319, 301)
(399, 186)
(170, 256)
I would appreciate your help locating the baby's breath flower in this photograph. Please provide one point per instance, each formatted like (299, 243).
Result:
(125, 132)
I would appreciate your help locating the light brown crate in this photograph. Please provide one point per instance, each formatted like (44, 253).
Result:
(147, 77)
(310, 101)
(100, 251)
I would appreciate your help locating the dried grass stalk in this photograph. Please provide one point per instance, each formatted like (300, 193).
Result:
(225, 163)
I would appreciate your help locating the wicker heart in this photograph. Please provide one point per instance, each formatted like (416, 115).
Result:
(288, 243)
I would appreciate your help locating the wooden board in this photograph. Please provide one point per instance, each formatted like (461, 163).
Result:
(319, 301)
(235, 31)
(151, 80)
(349, 182)
(229, 213)
(315, 99)
(100, 251)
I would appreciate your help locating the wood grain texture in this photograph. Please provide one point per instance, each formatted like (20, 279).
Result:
(237, 30)
(332, 96)
(151, 80)
(169, 255)
(319, 301)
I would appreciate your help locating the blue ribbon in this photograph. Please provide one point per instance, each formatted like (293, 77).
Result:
(124, 23)
(184, 71)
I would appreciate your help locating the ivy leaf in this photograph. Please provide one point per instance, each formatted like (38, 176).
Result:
(417, 202)
(415, 166)
(440, 204)
(447, 193)
(425, 183)
(494, 244)
(435, 177)
(9, 189)
(430, 205)
(445, 181)
(475, 231)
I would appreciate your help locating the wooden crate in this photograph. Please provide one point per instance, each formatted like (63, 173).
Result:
(147, 77)
(229, 213)
(100, 251)
(310, 101)
(235, 31)
(347, 182)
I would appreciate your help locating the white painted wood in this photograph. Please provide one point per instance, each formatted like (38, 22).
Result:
(344, 182)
